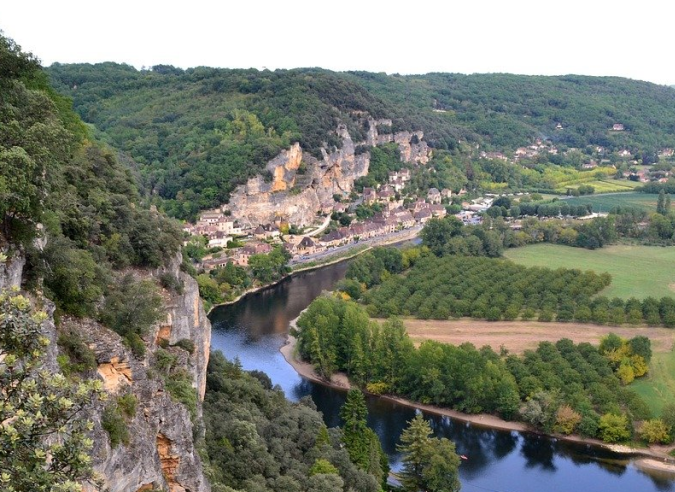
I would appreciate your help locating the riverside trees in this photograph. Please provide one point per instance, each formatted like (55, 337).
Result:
(562, 387)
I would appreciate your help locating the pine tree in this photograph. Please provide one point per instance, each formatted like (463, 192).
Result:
(363, 445)
(429, 464)
(667, 205)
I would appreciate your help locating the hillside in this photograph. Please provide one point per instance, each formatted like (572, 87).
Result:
(508, 110)
(198, 133)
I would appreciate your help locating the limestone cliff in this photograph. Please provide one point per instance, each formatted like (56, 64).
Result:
(161, 453)
(298, 183)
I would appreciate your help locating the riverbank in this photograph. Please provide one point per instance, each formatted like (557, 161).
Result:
(315, 266)
(653, 458)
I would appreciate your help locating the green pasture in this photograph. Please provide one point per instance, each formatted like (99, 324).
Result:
(605, 203)
(637, 271)
(608, 185)
(657, 387)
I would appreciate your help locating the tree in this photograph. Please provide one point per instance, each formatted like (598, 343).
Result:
(429, 464)
(363, 445)
(437, 232)
(43, 439)
(655, 431)
(566, 420)
(661, 203)
(613, 428)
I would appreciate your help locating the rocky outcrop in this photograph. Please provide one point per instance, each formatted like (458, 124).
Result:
(186, 320)
(161, 453)
(298, 184)
(11, 269)
(412, 147)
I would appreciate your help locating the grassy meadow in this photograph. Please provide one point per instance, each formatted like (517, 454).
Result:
(657, 388)
(605, 203)
(608, 185)
(637, 271)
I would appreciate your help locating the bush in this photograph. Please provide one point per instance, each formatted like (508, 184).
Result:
(131, 307)
(127, 404)
(136, 344)
(613, 428)
(171, 282)
(186, 344)
(377, 388)
(179, 386)
(77, 357)
(655, 431)
(114, 424)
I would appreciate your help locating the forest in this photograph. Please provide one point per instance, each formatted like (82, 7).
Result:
(508, 110)
(57, 184)
(256, 440)
(195, 134)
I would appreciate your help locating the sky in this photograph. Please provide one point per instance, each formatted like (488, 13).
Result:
(544, 37)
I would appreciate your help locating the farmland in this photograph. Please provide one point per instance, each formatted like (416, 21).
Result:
(637, 271)
(605, 203)
(518, 336)
(608, 185)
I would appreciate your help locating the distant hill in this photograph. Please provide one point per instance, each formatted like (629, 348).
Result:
(198, 133)
(507, 110)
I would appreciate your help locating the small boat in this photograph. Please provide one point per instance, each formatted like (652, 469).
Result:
(463, 457)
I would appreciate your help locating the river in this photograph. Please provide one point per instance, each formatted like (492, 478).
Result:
(254, 329)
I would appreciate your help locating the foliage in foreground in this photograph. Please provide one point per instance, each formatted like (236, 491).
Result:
(43, 439)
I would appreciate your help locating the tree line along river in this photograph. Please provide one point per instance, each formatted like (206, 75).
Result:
(254, 328)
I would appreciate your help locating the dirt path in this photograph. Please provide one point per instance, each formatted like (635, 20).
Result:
(518, 336)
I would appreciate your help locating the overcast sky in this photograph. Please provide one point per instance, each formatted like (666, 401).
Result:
(590, 37)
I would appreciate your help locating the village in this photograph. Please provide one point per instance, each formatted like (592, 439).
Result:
(392, 209)
(395, 212)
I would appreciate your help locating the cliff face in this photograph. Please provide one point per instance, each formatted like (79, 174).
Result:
(300, 183)
(161, 451)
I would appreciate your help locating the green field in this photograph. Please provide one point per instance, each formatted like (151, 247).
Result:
(657, 388)
(637, 271)
(608, 185)
(605, 203)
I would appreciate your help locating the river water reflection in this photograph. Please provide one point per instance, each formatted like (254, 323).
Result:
(254, 328)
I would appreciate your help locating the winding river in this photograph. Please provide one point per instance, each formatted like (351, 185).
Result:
(255, 328)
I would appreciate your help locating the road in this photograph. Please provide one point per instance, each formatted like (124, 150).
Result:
(392, 237)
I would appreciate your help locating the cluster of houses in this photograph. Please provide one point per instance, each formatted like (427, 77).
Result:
(218, 228)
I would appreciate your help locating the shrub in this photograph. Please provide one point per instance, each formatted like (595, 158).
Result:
(179, 386)
(613, 428)
(171, 282)
(114, 424)
(77, 357)
(566, 420)
(136, 344)
(377, 388)
(127, 404)
(131, 307)
(655, 431)
(186, 344)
